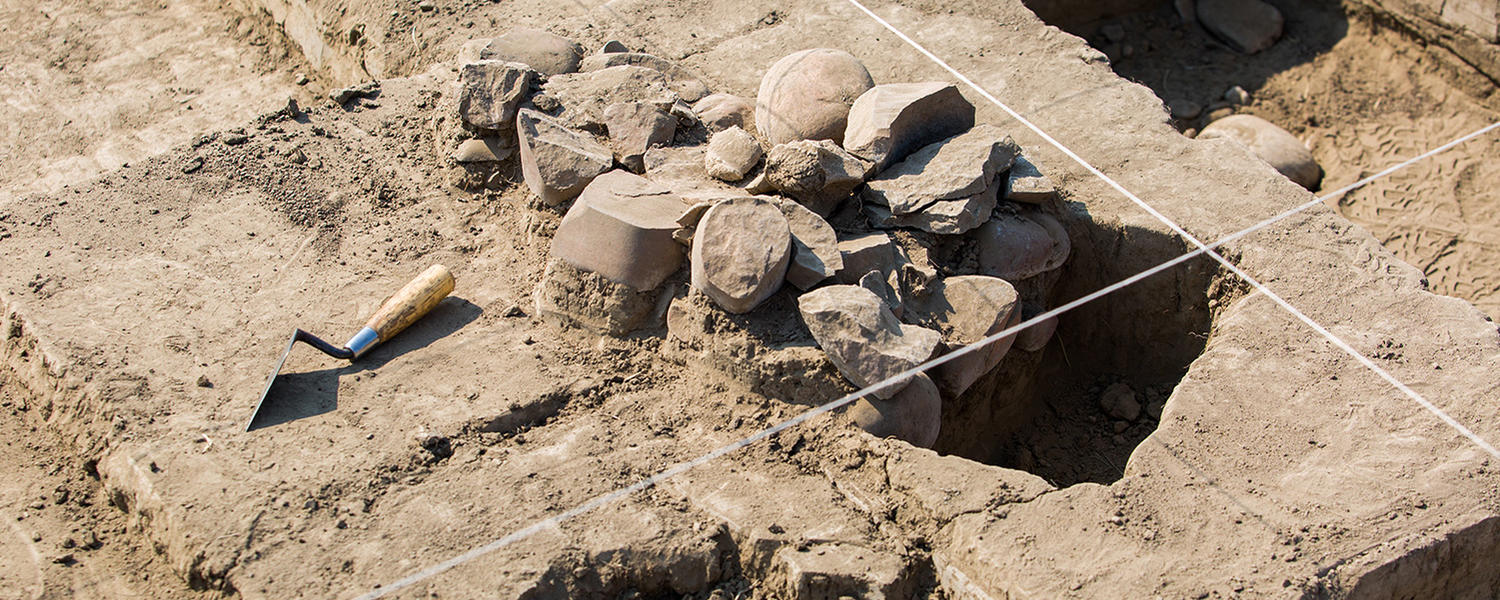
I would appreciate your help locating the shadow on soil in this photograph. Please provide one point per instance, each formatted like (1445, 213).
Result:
(296, 396)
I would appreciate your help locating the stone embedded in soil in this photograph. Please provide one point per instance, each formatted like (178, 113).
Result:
(687, 86)
(863, 338)
(806, 95)
(572, 296)
(1017, 246)
(731, 153)
(1184, 109)
(1035, 337)
(966, 309)
(488, 149)
(740, 253)
(891, 121)
(1026, 183)
(1119, 401)
(815, 246)
(621, 228)
(583, 97)
(1272, 144)
(490, 91)
(817, 173)
(556, 161)
(718, 112)
(962, 169)
(913, 415)
(613, 46)
(1237, 95)
(838, 570)
(634, 128)
(547, 53)
(1248, 25)
(864, 253)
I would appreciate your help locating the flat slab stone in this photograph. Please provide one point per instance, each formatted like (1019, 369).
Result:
(1026, 183)
(547, 53)
(556, 161)
(718, 112)
(863, 338)
(962, 166)
(740, 252)
(815, 247)
(892, 120)
(806, 95)
(679, 79)
(585, 96)
(621, 227)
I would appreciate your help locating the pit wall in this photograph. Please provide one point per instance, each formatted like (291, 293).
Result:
(331, 41)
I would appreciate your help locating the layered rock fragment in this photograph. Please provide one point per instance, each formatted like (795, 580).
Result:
(946, 187)
(634, 128)
(890, 121)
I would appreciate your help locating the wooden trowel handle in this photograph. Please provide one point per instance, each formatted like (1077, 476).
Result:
(411, 302)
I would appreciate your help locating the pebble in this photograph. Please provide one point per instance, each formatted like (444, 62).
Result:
(1183, 109)
(1237, 96)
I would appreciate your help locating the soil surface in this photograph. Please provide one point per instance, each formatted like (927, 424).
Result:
(1363, 93)
(151, 298)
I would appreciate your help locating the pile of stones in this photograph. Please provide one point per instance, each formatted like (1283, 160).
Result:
(903, 229)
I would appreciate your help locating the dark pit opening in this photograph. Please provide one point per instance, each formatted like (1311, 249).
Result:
(1041, 411)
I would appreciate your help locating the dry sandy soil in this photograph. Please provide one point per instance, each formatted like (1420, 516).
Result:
(158, 267)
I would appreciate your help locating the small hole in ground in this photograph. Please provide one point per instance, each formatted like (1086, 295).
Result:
(1075, 410)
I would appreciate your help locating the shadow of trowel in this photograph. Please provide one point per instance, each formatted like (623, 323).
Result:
(293, 396)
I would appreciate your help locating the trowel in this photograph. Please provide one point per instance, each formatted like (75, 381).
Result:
(409, 304)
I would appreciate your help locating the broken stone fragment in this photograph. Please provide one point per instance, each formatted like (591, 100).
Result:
(1272, 144)
(862, 338)
(583, 97)
(490, 91)
(556, 161)
(547, 53)
(914, 415)
(681, 169)
(815, 246)
(944, 216)
(718, 112)
(965, 310)
(731, 153)
(1035, 337)
(960, 167)
(891, 121)
(688, 86)
(864, 253)
(1014, 247)
(1247, 25)
(634, 128)
(621, 228)
(880, 283)
(488, 149)
(1027, 184)
(817, 173)
(1119, 401)
(740, 253)
(806, 95)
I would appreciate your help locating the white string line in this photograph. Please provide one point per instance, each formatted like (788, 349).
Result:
(1340, 343)
(680, 468)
